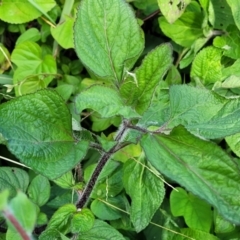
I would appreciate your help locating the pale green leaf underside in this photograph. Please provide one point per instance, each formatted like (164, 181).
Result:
(12, 11)
(139, 87)
(108, 39)
(37, 128)
(199, 166)
(146, 191)
(105, 101)
(172, 10)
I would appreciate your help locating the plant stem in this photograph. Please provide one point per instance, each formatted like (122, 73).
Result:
(102, 162)
(11, 218)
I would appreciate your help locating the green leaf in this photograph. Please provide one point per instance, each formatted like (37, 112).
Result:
(24, 211)
(108, 104)
(40, 133)
(146, 191)
(82, 221)
(220, 14)
(40, 8)
(207, 65)
(111, 186)
(50, 234)
(203, 112)
(13, 179)
(200, 166)
(12, 234)
(196, 212)
(39, 190)
(4, 195)
(233, 142)
(32, 34)
(228, 43)
(190, 55)
(139, 87)
(195, 234)
(221, 225)
(61, 219)
(5, 79)
(235, 5)
(63, 33)
(186, 30)
(66, 180)
(35, 70)
(162, 226)
(108, 39)
(233, 70)
(42, 219)
(101, 230)
(172, 10)
(12, 11)
(146, 6)
(104, 211)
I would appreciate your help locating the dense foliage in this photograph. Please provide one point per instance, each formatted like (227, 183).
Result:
(120, 119)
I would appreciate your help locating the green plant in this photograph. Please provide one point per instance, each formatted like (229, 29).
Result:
(152, 163)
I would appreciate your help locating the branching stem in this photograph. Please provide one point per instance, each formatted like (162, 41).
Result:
(102, 162)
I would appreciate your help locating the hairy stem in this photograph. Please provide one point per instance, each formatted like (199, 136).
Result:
(102, 162)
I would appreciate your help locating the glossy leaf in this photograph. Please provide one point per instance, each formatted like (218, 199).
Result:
(200, 166)
(138, 88)
(82, 221)
(108, 39)
(39, 190)
(35, 70)
(207, 65)
(108, 104)
(196, 212)
(172, 10)
(146, 191)
(101, 230)
(12, 11)
(49, 146)
(13, 179)
(186, 30)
